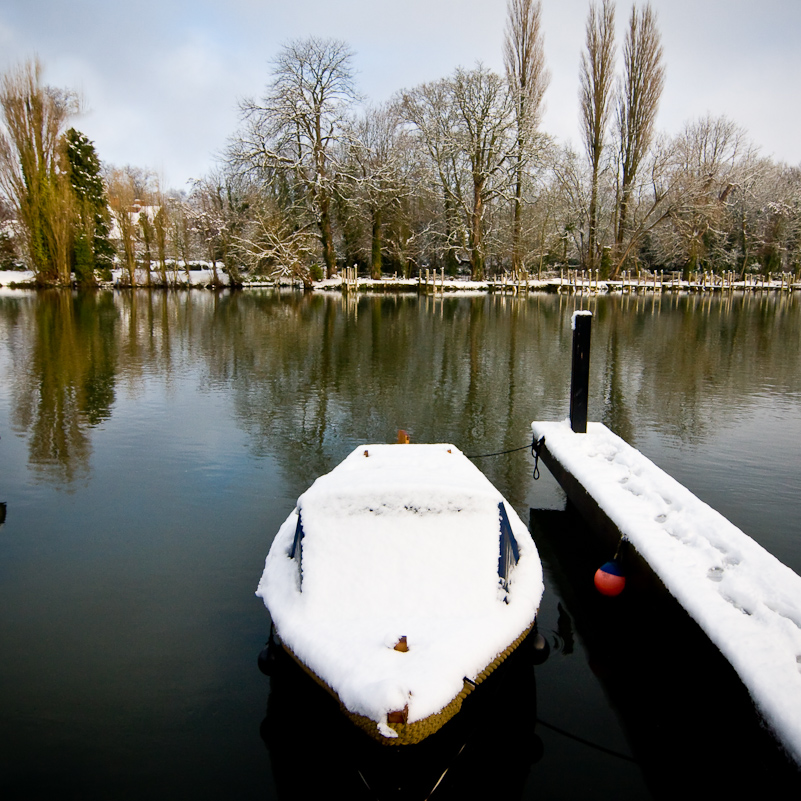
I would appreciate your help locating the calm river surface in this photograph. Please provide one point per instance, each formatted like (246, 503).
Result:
(151, 445)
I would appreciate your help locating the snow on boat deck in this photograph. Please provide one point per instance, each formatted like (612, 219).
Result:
(400, 540)
(746, 600)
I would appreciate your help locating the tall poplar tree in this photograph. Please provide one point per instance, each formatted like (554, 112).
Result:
(640, 91)
(524, 59)
(597, 77)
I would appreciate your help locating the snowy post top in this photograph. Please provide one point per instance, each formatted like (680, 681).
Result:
(578, 314)
(400, 540)
(746, 600)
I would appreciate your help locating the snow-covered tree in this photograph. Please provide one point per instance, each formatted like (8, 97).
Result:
(704, 180)
(466, 126)
(92, 248)
(288, 136)
(375, 178)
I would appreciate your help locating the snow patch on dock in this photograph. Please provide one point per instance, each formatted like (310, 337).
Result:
(746, 600)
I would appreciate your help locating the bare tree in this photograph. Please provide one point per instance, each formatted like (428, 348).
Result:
(652, 200)
(130, 194)
(121, 196)
(218, 209)
(292, 130)
(375, 170)
(430, 110)
(485, 121)
(180, 234)
(596, 76)
(271, 244)
(161, 227)
(524, 59)
(466, 124)
(704, 179)
(638, 101)
(569, 203)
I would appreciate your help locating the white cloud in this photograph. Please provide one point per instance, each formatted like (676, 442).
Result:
(161, 79)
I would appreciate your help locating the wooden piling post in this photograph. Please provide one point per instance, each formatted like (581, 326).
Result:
(580, 371)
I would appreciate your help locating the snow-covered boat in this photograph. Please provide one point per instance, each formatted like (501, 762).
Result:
(399, 582)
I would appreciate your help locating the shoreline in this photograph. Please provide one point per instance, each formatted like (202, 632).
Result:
(14, 280)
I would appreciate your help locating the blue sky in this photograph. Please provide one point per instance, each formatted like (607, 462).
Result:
(161, 79)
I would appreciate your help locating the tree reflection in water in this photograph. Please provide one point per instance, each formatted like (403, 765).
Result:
(64, 363)
(185, 425)
(308, 376)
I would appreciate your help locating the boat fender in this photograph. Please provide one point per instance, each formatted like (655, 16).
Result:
(609, 578)
(541, 649)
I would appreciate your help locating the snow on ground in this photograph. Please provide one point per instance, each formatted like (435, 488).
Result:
(452, 286)
(196, 277)
(204, 277)
(746, 600)
(402, 542)
(15, 277)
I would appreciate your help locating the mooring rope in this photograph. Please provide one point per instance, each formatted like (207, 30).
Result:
(588, 743)
(535, 446)
(497, 453)
(502, 453)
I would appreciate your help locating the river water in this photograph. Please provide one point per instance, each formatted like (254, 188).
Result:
(152, 443)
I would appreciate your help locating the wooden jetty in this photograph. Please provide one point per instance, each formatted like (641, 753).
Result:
(745, 600)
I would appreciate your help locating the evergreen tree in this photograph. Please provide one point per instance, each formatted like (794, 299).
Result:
(92, 246)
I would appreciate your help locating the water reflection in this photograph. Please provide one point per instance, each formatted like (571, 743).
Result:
(63, 366)
(309, 376)
(492, 744)
(187, 424)
(681, 706)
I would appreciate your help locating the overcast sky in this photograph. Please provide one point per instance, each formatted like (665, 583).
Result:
(161, 79)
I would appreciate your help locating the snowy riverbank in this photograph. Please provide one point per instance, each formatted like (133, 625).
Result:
(205, 278)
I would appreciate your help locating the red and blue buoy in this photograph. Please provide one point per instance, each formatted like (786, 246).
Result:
(609, 578)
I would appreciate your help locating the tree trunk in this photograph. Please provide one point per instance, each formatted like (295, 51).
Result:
(592, 243)
(622, 222)
(375, 254)
(326, 237)
(517, 260)
(476, 237)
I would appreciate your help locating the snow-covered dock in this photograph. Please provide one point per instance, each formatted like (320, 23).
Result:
(746, 601)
